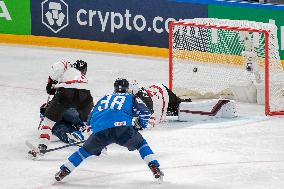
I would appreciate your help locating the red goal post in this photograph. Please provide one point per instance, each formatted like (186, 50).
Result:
(201, 50)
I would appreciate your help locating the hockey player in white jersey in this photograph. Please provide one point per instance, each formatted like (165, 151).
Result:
(159, 99)
(164, 102)
(69, 85)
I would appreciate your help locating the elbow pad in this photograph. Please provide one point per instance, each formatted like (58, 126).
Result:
(50, 86)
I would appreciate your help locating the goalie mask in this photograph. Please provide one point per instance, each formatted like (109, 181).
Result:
(121, 85)
(81, 66)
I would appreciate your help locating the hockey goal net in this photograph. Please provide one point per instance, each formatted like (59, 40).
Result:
(208, 56)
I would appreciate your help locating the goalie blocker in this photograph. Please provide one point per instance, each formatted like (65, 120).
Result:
(205, 110)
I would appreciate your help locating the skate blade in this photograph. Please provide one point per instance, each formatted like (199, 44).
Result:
(160, 180)
(57, 178)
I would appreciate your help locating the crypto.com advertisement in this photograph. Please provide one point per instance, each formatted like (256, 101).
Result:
(137, 22)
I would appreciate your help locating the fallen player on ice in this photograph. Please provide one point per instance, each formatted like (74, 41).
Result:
(163, 102)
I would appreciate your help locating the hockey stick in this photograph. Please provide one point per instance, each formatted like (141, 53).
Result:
(41, 120)
(61, 147)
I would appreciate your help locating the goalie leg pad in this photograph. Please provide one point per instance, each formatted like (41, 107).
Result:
(45, 131)
(229, 110)
(205, 110)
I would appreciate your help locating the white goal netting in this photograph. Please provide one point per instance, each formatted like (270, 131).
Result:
(208, 56)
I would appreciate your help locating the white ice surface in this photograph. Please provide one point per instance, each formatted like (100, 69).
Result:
(243, 153)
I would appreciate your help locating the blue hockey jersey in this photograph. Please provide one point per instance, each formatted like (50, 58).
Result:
(118, 109)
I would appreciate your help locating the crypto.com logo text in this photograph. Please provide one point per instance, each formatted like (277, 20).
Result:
(54, 14)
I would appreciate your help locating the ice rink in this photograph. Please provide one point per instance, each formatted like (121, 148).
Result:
(242, 153)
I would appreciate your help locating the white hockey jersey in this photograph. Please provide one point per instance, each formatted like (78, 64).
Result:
(156, 98)
(160, 98)
(67, 76)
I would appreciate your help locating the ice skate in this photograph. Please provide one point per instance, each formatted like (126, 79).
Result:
(157, 173)
(64, 171)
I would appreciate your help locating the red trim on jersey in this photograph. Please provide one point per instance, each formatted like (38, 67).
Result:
(45, 127)
(73, 81)
(150, 93)
(47, 136)
(213, 112)
(65, 64)
(163, 98)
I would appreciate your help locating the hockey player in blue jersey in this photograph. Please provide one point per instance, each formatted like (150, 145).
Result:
(69, 128)
(112, 121)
